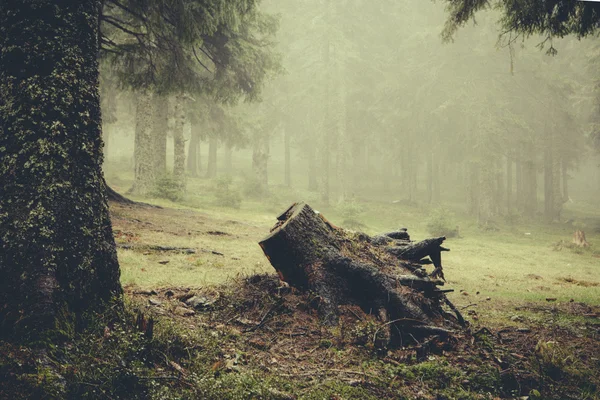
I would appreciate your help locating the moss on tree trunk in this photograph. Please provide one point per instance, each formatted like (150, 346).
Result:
(57, 252)
(179, 141)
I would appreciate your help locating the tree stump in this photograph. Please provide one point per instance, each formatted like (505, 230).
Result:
(384, 274)
(579, 239)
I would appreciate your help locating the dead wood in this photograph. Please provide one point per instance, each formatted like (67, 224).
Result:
(579, 239)
(382, 276)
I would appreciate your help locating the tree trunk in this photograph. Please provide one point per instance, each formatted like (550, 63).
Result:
(429, 158)
(529, 182)
(565, 180)
(312, 168)
(436, 197)
(579, 239)
(228, 160)
(509, 184)
(179, 140)
(548, 183)
(211, 168)
(192, 159)
(288, 162)
(260, 161)
(144, 177)
(160, 130)
(473, 189)
(519, 201)
(379, 274)
(58, 259)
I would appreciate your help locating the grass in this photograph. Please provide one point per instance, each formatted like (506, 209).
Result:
(515, 264)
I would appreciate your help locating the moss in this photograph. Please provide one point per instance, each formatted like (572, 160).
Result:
(58, 251)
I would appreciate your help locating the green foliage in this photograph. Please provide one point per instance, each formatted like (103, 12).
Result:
(350, 212)
(227, 197)
(253, 188)
(167, 187)
(441, 223)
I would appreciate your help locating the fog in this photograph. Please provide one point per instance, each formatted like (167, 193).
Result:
(372, 104)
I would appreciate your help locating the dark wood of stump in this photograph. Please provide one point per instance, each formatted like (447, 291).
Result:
(381, 274)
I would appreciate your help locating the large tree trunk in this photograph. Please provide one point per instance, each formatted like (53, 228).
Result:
(382, 274)
(144, 177)
(160, 127)
(192, 159)
(57, 253)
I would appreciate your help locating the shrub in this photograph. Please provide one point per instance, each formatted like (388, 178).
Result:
(350, 212)
(227, 197)
(253, 188)
(441, 223)
(167, 187)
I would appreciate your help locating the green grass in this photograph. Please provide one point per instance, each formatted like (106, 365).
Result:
(497, 264)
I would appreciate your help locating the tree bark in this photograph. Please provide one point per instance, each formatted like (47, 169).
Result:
(58, 259)
(529, 182)
(260, 160)
(342, 268)
(179, 140)
(211, 168)
(144, 177)
(192, 159)
(565, 180)
(509, 184)
(160, 128)
(312, 168)
(548, 183)
(229, 160)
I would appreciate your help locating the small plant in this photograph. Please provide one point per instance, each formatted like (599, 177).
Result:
(350, 212)
(253, 188)
(167, 187)
(441, 223)
(227, 197)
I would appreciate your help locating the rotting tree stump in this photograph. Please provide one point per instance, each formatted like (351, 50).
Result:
(579, 239)
(383, 274)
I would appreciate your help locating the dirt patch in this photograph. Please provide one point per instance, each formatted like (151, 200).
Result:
(277, 330)
(534, 277)
(577, 282)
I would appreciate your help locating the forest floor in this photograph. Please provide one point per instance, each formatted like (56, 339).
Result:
(532, 303)
(224, 328)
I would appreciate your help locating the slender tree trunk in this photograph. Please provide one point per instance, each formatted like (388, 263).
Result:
(229, 160)
(179, 140)
(288, 161)
(486, 191)
(144, 177)
(529, 182)
(429, 177)
(473, 189)
(509, 184)
(159, 133)
(565, 180)
(57, 258)
(548, 182)
(211, 167)
(192, 159)
(518, 183)
(557, 205)
(260, 161)
(313, 185)
(436, 198)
